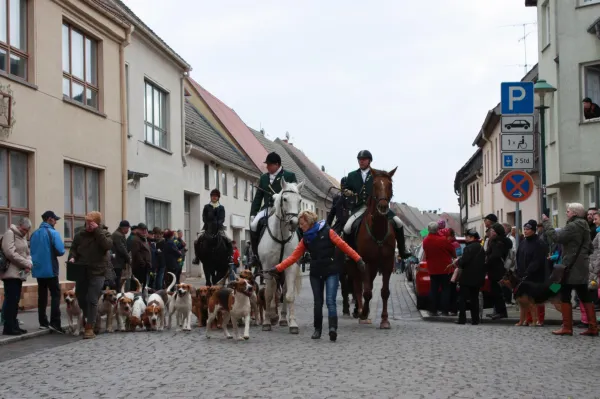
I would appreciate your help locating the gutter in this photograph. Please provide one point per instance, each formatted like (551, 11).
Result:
(124, 121)
(223, 162)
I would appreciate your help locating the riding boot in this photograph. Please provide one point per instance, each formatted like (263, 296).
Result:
(590, 311)
(567, 316)
(400, 241)
(333, 325)
(254, 243)
(318, 322)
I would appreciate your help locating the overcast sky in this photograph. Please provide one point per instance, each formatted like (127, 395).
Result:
(411, 81)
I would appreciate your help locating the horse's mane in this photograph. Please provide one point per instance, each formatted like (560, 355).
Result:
(380, 173)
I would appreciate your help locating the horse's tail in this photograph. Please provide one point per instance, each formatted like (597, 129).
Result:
(298, 282)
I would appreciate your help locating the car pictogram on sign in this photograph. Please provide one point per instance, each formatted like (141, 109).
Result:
(518, 123)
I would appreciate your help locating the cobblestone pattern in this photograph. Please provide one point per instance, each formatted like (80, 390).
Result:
(414, 359)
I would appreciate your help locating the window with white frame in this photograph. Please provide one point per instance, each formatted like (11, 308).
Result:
(554, 209)
(80, 66)
(591, 90)
(206, 177)
(546, 20)
(477, 192)
(216, 178)
(158, 214)
(223, 183)
(589, 195)
(13, 37)
(235, 186)
(14, 187)
(588, 2)
(155, 115)
(246, 185)
(81, 194)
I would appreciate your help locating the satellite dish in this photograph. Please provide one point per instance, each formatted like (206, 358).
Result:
(287, 135)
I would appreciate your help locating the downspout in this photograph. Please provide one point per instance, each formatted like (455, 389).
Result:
(491, 168)
(124, 121)
(184, 75)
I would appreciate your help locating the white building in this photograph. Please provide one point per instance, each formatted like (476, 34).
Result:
(569, 59)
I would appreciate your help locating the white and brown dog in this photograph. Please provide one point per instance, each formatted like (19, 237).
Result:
(254, 309)
(107, 306)
(182, 306)
(125, 305)
(155, 316)
(73, 312)
(234, 303)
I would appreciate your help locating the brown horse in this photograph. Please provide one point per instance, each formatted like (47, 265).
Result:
(376, 243)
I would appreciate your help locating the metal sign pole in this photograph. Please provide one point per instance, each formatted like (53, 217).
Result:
(518, 224)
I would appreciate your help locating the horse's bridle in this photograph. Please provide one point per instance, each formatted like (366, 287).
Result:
(287, 216)
(381, 199)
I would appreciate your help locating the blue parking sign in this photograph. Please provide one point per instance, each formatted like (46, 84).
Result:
(517, 98)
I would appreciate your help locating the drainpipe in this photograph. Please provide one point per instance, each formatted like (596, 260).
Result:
(124, 122)
(182, 100)
(491, 168)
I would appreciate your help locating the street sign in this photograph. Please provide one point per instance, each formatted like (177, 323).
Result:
(517, 186)
(517, 160)
(517, 124)
(517, 142)
(517, 98)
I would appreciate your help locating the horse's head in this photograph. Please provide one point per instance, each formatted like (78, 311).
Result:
(287, 203)
(382, 190)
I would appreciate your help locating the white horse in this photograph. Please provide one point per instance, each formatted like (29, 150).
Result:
(277, 243)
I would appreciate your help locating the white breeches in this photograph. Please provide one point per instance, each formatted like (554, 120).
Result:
(348, 226)
(257, 218)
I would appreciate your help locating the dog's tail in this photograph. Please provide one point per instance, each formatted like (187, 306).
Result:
(173, 281)
(123, 286)
(139, 286)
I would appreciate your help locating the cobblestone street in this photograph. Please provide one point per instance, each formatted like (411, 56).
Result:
(415, 359)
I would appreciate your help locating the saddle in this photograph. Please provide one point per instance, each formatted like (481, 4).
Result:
(351, 238)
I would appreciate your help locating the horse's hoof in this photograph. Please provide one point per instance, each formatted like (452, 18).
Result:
(246, 338)
(346, 314)
(283, 323)
(229, 337)
(355, 315)
(365, 321)
(294, 330)
(385, 325)
(266, 327)
(274, 321)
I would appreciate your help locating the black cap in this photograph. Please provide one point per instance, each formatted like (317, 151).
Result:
(492, 218)
(142, 226)
(532, 225)
(472, 233)
(587, 100)
(273, 158)
(124, 223)
(49, 214)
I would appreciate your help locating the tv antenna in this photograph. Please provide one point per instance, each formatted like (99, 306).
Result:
(287, 136)
(524, 40)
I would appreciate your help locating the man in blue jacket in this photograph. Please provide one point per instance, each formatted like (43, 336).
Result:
(46, 247)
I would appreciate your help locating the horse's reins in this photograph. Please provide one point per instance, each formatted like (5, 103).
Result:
(377, 200)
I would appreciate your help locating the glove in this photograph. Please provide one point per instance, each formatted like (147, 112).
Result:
(348, 193)
(273, 271)
(361, 265)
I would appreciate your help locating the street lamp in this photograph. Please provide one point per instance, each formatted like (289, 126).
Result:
(542, 88)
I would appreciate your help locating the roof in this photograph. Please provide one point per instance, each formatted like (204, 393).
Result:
(416, 219)
(146, 29)
(594, 28)
(235, 126)
(530, 3)
(288, 163)
(311, 170)
(469, 169)
(332, 179)
(109, 7)
(200, 132)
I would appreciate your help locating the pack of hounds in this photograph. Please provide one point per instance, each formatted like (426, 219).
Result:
(238, 302)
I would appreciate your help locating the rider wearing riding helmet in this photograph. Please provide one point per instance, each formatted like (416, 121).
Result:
(360, 185)
(320, 241)
(269, 184)
(214, 212)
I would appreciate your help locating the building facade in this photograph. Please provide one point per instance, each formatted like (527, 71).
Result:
(569, 59)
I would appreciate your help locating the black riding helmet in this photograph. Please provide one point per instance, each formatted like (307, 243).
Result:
(365, 154)
(215, 192)
(343, 182)
(273, 158)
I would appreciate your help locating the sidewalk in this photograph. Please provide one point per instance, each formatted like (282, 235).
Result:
(29, 320)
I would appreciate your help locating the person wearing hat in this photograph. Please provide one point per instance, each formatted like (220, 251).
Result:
(488, 221)
(141, 255)
(131, 236)
(269, 183)
(496, 252)
(591, 110)
(359, 184)
(214, 213)
(90, 251)
(531, 263)
(121, 255)
(46, 246)
(472, 277)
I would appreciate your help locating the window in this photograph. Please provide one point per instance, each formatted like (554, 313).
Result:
(235, 186)
(14, 196)
(477, 193)
(591, 78)
(546, 24)
(252, 190)
(80, 66)
(554, 209)
(158, 214)
(589, 195)
(82, 195)
(13, 37)
(216, 178)
(155, 116)
(246, 185)
(206, 177)
(223, 183)
(588, 2)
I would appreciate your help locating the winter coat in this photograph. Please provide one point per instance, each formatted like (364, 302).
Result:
(160, 253)
(211, 214)
(141, 255)
(119, 249)
(91, 249)
(16, 250)
(171, 254)
(472, 265)
(438, 253)
(531, 259)
(595, 260)
(574, 235)
(45, 251)
(498, 249)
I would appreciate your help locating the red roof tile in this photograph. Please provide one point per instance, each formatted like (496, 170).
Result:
(235, 126)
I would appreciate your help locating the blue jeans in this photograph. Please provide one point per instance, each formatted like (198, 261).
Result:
(10, 307)
(160, 276)
(330, 285)
(439, 300)
(232, 272)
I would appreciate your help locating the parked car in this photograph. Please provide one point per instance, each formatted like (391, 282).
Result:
(421, 283)
(410, 265)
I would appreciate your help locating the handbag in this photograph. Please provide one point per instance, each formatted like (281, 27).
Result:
(4, 263)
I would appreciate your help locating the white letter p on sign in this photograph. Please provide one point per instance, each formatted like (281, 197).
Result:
(513, 97)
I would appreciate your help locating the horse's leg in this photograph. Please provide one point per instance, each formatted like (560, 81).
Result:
(358, 293)
(269, 293)
(207, 273)
(385, 294)
(345, 294)
(291, 274)
(370, 274)
(283, 315)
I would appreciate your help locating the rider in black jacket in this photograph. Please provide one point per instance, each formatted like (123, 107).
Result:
(214, 212)
(340, 209)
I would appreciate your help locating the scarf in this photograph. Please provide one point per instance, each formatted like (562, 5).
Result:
(597, 229)
(215, 204)
(311, 233)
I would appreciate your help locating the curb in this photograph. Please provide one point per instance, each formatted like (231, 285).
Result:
(29, 335)
(451, 319)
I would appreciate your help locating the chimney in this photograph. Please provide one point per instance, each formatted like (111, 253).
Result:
(262, 131)
(322, 168)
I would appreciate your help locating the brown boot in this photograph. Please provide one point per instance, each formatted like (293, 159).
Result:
(567, 316)
(89, 332)
(590, 312)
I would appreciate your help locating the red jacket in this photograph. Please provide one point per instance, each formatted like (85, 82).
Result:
(438, 253)
(236, 257)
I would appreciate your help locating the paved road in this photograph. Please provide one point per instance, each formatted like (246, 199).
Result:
(415, 359)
